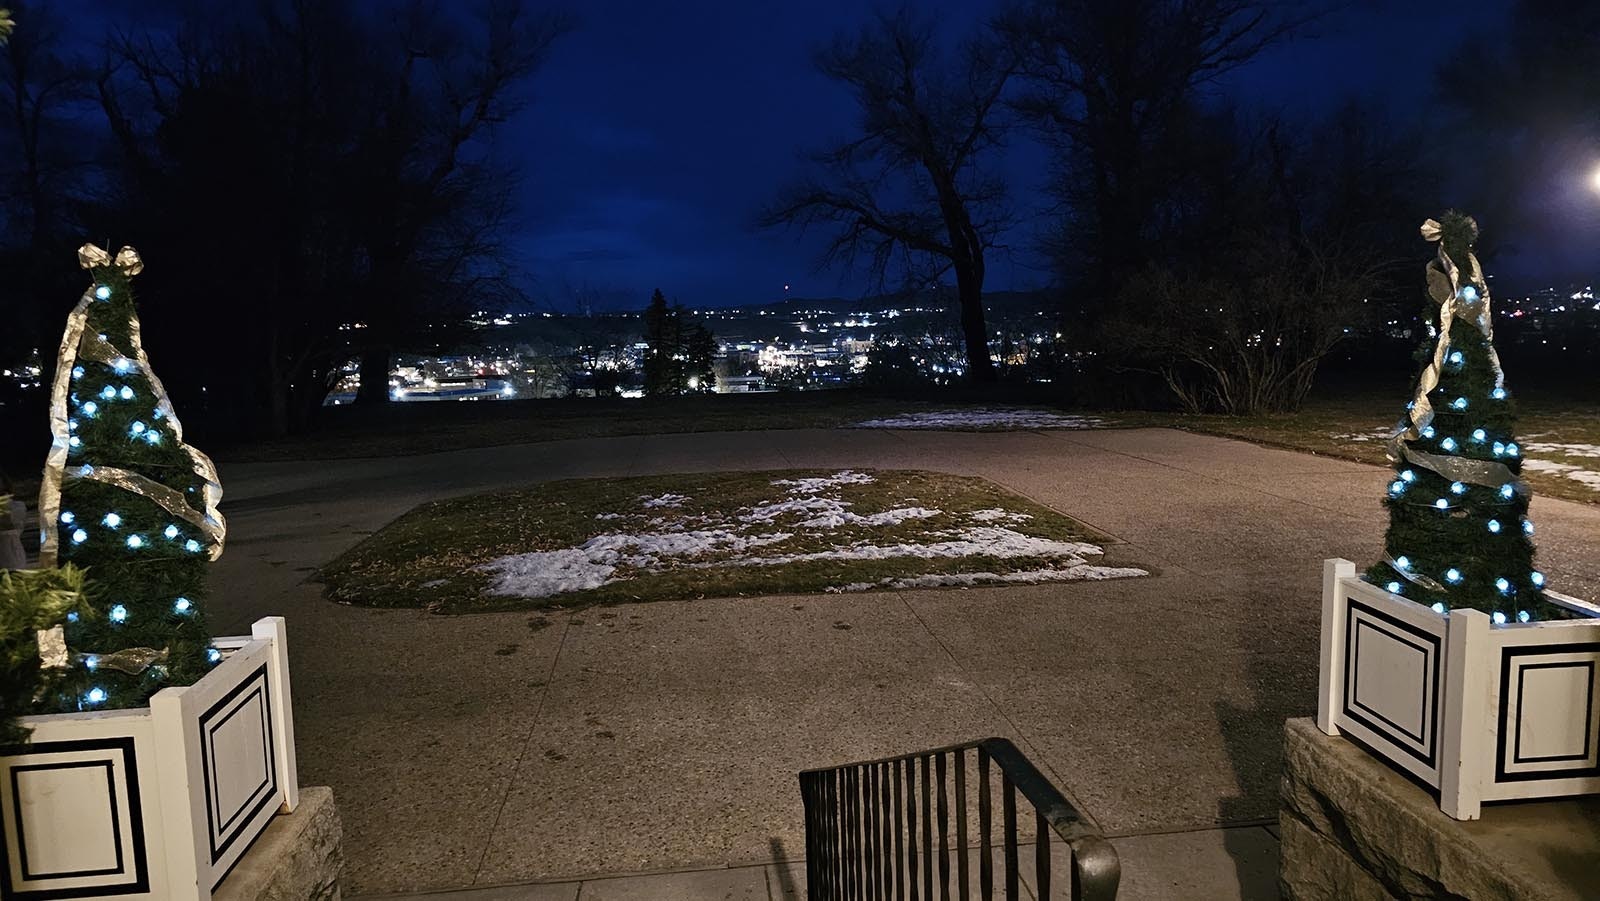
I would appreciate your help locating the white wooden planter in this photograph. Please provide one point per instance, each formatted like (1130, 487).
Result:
(1478, 711)
(155, 803)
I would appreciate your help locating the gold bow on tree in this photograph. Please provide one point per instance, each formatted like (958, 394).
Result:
(127, 259)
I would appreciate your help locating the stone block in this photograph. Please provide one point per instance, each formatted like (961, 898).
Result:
(1352, 827)
(297, 858)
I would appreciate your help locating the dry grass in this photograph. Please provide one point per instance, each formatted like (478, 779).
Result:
(430, 556)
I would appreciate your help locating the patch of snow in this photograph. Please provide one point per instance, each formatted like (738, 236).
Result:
(891, 517)
(985, 541)
(812, 486)
(1568, 450)
(1075, 573)
(1586, 477)
(1374, 435)
(804, 506)
(540, 574)
(665, 500)
(998, 515)
(997, 420)
(608, 516)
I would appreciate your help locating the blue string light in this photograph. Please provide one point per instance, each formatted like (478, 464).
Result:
(1538, 579)
(108, 392)
(1403, 561)
(1459, 403)
(1408, 476)
(126, 393)
(171, 532)
(1439, 607)
(1503, 584)
(1523, 616)
(1498, 394)
(1527, 526)
(1508, 491)
(1499, 618)
(1448, 444)
(118, 614)
(135, 541)
(1458, 488)
(79, 536)
(1494, 526)
(192, 546)
(1394, 587)
(1469, 294)
(89, 409)
(77, 373)
(213, 655)
(1442, 504)
(1452, 575)
(67, 516)
(182, 605)
(1479, 435)
(96, 695)
(111, 521)
(103, 292)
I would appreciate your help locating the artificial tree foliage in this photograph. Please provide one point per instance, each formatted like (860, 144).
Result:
(1459, 533)
(130, 502)
(32, 602)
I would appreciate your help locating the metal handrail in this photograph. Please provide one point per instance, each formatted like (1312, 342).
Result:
(862, 833)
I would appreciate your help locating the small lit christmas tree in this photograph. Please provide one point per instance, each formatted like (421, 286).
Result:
(1459, 534)
(126, 499)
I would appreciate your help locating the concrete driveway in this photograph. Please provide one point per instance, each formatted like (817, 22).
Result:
(502, 748)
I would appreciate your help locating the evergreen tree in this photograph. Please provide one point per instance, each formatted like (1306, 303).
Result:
(660, 324)
(126, 499)
(1459, 534)
(678, 350)
(700, 350)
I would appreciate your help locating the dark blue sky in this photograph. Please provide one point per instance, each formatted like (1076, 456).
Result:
(657, 131)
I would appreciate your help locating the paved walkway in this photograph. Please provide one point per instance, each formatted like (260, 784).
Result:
(498, 749)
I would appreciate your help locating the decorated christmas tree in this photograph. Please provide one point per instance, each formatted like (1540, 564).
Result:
(124, 498)
(1459, 534)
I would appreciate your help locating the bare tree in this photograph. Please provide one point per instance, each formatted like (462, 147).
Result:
(424, 156)
(912, 189)
(1113, 83)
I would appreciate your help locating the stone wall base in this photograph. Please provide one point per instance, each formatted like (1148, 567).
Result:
(1355, 829)
(297, 858)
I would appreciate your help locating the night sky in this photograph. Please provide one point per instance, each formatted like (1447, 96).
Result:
(657, 133)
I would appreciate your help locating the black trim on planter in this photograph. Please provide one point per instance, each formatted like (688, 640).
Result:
(141, 874)
(1505, 726)
(207, 732)
(1430, 654)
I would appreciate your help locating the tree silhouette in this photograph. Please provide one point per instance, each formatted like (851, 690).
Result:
(912, 189)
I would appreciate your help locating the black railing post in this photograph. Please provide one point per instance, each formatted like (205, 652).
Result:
(1008, 808)
(944, 832)
(962, 871)
(986, 852)
(1041, 856)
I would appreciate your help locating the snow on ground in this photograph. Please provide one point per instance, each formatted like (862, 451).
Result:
(665, 500)
(1374, 435)
(813, 486)
(1566, 450)
(996, 420)
(1586, 477)
(815, 507)
(1000, 516)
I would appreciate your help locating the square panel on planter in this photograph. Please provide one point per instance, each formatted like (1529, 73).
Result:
(90, 841)
(1547, 727)
(238, 765)
(1392, 680)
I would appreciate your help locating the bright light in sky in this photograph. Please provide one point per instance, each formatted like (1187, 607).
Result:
(1594, 180)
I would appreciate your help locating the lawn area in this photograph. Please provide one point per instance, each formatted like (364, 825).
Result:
(598, 541)
(1560, 440)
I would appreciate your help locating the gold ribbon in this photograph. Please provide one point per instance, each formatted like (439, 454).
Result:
(53, 647)
(132, 661)
(75, 345)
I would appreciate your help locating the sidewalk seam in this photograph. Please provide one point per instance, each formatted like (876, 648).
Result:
(533, 729)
